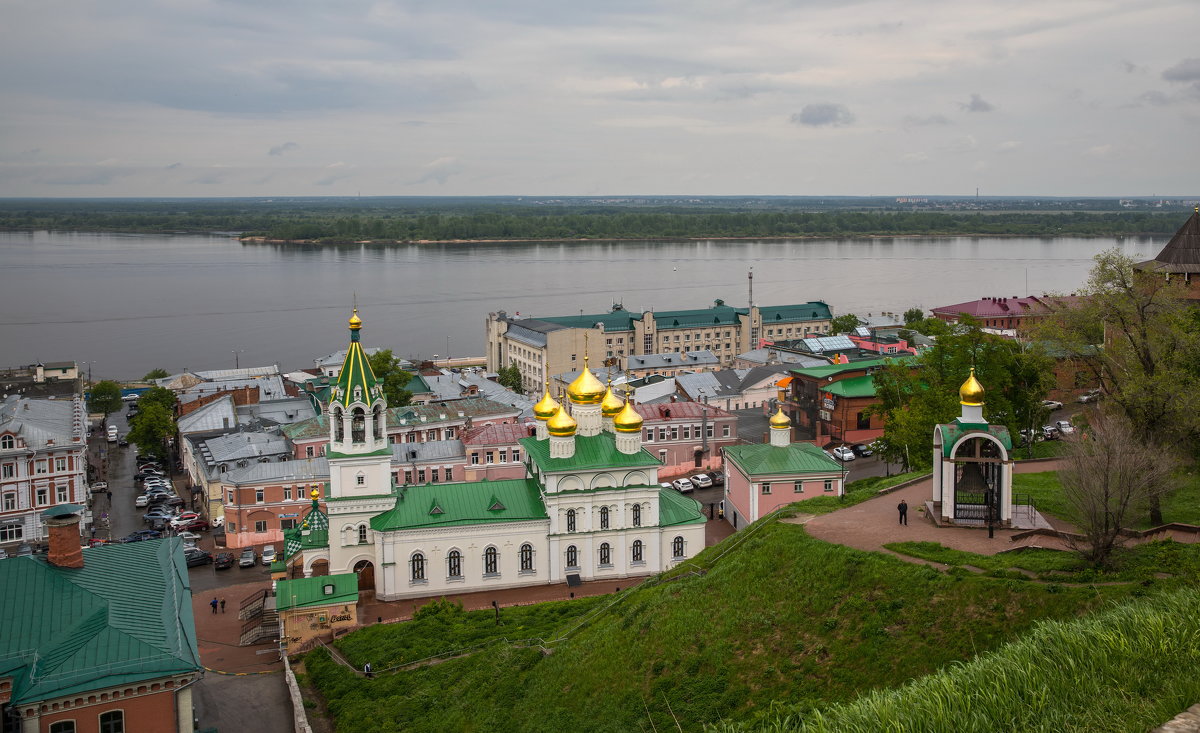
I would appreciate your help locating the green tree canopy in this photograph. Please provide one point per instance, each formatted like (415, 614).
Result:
(160, 396)
(914, 314)
(105, 397)
(158, 373)
(391, 377)
(510, 376)
(151, 427)
(844, 323)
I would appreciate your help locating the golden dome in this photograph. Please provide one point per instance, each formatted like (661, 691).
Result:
(586, 389)
(561, 425)
(971, 391)
(315, 494)
(546, 407)
(628, 420)
(355, 321)
(612, 404)
(780, 420)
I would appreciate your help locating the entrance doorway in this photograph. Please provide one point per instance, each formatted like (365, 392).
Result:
(365, 570)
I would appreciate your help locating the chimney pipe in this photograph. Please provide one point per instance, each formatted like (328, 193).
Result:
(62, 521)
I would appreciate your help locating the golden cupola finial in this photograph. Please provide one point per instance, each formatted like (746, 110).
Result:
(355, 321)
(627, 420)
(971, 391)
(561, 425)
(586, 389)
(612, 404)
(546, 407)
(780, 420)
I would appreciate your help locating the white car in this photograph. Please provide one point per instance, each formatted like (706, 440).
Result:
(189, 538)
(129, 398)
(701, 481)
(1052, 405)
(1065, 427)
(142, 500)
(268, 555)
(184, 518)
(682, 485)
(844, 453)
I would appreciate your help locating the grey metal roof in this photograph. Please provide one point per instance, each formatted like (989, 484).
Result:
(433, 450)
(529, 336)
(39, 421)
(280, 412)
(673, 360)
(269, 387)
(245, 444)
(766, 355)
(303, 469)
(217, 415)
(450, 386)
(338, 357)
(729, 382)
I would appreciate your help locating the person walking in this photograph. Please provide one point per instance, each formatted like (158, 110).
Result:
(367, 670)
(222, 605)
(903, 507)
(213, 603)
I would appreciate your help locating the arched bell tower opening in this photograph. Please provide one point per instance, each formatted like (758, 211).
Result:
(978, 478)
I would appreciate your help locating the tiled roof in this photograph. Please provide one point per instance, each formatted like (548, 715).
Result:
(448, 505)
(1008, 307)
(593, 451)
(125, 616)
(39, 421)
(764, 459)
(679, 410)
(675, 509)
(816, 310)
(502, 434)
(613, 321)
(302, 592)
(863, 386)
(316, 523)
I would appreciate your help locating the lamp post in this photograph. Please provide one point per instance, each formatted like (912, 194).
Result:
(236, 361)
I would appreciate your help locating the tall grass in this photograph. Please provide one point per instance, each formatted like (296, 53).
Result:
(1129, 668)
(1181, 505)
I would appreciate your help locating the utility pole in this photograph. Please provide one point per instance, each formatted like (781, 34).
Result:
(236, 361)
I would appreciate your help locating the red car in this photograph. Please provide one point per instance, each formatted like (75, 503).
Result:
(196, 525)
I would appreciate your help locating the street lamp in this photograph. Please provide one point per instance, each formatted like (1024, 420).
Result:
(236, 361)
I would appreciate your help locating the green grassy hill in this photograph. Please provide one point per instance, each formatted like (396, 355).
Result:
(783, 617)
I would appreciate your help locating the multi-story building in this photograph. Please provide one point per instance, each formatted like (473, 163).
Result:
(687, 435)
(734, 389)
(494, 452)
(43, 462)
(1017, 314)
(540, 347)
(670, 363)
(261, 500)
(830, 403)
(207, 457)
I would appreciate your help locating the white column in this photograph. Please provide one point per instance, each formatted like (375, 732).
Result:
(183, 710)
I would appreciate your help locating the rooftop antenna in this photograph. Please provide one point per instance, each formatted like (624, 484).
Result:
(750, 278)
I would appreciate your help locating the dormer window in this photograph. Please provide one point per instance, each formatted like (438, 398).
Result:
(7, 442)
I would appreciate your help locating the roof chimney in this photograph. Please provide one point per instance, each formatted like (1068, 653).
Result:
(62, 521)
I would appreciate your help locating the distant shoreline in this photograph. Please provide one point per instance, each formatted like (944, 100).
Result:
(990, 235)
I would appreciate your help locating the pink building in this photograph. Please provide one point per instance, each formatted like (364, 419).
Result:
(686, 436)
(263, 499)
(493, 452)
(761, 477)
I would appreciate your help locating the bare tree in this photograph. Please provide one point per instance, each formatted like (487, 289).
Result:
(1111, 474)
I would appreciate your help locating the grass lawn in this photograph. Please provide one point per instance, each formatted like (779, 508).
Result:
(856, 493)
(1182, 505)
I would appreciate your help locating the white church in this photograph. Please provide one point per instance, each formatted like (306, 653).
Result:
(591, 506)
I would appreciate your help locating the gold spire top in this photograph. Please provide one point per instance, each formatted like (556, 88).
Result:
(612, 404)
(355, 321)
(586, 389)
(561, 425)
(627, 420)
(780, 420)
(971, 391)
(546, 407)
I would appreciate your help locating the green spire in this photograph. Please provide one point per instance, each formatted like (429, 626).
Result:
(357, 382)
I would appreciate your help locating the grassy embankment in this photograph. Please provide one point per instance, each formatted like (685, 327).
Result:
(782, 617)
(1182, 505)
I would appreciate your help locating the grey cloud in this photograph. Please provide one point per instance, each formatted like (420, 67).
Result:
(173, 166)
(1185, 71)
(927, 121)
(281, 149)
(821, 115)
(440, 170)
(1154, 99)
(978, 104)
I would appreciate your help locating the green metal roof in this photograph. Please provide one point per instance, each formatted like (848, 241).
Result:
(303, 592)
(356, 382)
(593, 451)
(763, 459)
(717, 315)
(830, 370)
(124, 617)
(294, 540)
(613, 321)
(816, 310)
(417, 385)
(674, 509)
(951, 432)
(451, 505)
(863, 386)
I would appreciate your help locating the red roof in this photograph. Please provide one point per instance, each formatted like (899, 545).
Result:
(501, 434)
(1013, 307)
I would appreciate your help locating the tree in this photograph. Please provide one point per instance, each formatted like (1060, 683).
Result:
(153, 374)
(160, 396)
(844, 323)
(1110, 475)
(105, 397)
(912, 315)
(391, 377)
(151, 427)
(510, 376)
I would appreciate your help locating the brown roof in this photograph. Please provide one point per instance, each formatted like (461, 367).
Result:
(682, 410)
(502, 434)
(1182, 253)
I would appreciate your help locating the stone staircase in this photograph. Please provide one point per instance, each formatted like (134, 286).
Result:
(260, 621)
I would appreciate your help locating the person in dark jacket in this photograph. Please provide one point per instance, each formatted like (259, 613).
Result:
(903, 507)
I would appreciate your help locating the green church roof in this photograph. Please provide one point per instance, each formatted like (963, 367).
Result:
(124, 617)
(294, 540)
(951, 432)
(675, 509)
(302, 592)
(451, 505)
(356, 382)
(593, 451)
(763, 459)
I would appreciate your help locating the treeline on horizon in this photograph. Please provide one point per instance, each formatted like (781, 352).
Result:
(327, 224)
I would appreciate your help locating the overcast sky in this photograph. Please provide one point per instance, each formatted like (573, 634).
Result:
(511, 97)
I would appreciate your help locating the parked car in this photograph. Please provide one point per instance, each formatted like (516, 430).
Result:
(162, 514)
(122, 443)
(862, 450)
(142, 501)
(1050, 432)
(142, 534)
(99, 487)
(843, 453)
(218, 521)
(701, 481)
(717, 478)
(184, 518)
(189, 538)
(247, 558)
(24, 549)
(223, 560)
(197, 525)
(1090, 396)
(194, 556)
(268, 555)
(3, 553)
(1052, 405)
(1064, 427)
(144, 458)
(683, 485)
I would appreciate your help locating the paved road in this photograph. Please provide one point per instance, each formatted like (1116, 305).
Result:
(229, 703)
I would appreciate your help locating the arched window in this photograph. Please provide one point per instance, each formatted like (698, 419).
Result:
(112, 722)
(572, 557)
(362, 534)
(490, 561)
(358, 426)
(418, 567)
(454, 564)
(377, 422)
(527, 558)
(605, 554)
(339, 427)
(603, 517)
(637, 551)
(570, 520)
(7, 442)
(677, 547)
(637, 515)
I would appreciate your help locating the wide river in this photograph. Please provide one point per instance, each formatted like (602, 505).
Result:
(129, 303)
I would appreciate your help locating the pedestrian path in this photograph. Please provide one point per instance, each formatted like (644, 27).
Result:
(218, 633)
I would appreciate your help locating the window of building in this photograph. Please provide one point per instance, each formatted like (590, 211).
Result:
(8, 470)
(42, 496)
(431, 435)
(572, 557)
(649, 435)
(662, 433)
(229, 497)
(449, 474)
(308, 451)
(410, 438)
(491, 561)
(636, 554)
(259, 496)
(433, 475)
(489, 457)
(724, 431)
(526, 558)
(648, 343)
(864, 421)
(504, 456)
(829, 484)
(60, 494)
(10, 502)
(605, 555)
(362, 534)
(7, 442)
(766, 487)
(417, 567)
(603, 517)
(60, 464)
(798, 487)
(360, 479)
(420, 475)
(112, 722)
(260, 525)
(41, 467)
(449, 433)
(287, 493)
(674, 432)
(516, 456)
(408, 477)
(662, 455)
(287, 523)
(63, 726)
(677, 548)
(454, 564)
(570, 520)
(637, 515)
(11, 532)
(474, 458)
(687, 432)
(709, 430)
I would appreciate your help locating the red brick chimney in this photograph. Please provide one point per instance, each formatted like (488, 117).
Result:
(62, 521)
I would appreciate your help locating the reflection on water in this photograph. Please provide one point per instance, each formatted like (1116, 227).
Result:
(129, 303)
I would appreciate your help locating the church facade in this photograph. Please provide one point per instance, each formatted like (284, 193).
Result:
(589, 507)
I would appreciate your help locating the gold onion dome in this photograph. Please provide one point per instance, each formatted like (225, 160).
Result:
(546, 407)
(780, 420)
(586, 389)
(612, 404)
(561, 425)
(355, 321)
(971, 391)
(628, 420)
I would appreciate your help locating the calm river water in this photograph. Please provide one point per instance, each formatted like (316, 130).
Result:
(129, 303)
